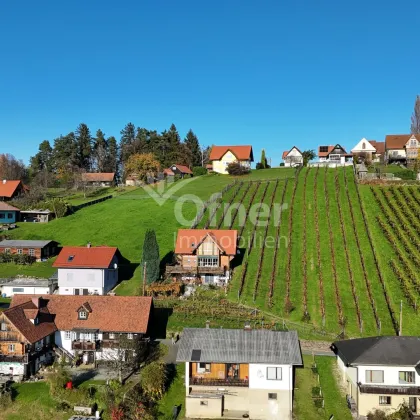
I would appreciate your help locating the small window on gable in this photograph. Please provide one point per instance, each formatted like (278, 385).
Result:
(364, 146)
(83, 315)
(3, 326)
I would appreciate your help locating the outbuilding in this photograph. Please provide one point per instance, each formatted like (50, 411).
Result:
(41, 250)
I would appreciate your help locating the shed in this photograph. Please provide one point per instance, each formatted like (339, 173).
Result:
(361, 171)
(38, 216)
(26, 285)
(38, 249)
(8, 213)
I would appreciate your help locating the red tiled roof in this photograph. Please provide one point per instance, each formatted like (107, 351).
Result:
(378, 145)
(285, 153)
(98, 177)
(324, 154)
(8, 188)
(168, 171)
(84, 257)
(7, 207)
(184, 169)
(108, 313)
(18, 314)
(189, 239)
(240, 152)
(398, 141)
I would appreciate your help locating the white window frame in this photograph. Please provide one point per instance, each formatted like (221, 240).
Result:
(82, 315)
(7, 250)
(111, 336)
(3, 326)
(274, 373)
(406, 373)
(19, 251)
(31, 252)
(383, 400)
(130, 336)
(203, 369)
(67, 335)
(370, 373)
(18, 290)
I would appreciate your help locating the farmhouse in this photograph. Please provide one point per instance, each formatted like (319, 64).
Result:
(87, 270)
(239, 373)
(38, 249)
(221, 156)
(88, 328)
(333, 154)
(8, 213)
(203, 255)
(369, 150)
(403, 148)
(10, 189)
(181, 170)
(99, 179)
(26, 285)
(292, 157)
(380, 372)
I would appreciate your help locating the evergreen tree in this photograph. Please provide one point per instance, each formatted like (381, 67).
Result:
(43, 160)
(263, 159)
(128, 135)
(65, 152)
(141, 144)
(191, 141)
(173, 142)
(111, 164)
(151, 257)
(99, 151)
(84, 147)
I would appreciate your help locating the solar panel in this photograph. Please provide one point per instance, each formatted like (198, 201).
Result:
(196, 355)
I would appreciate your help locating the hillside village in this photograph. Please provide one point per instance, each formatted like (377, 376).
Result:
(270, 291)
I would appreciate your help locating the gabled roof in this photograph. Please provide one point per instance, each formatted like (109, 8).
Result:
(168, 172)
(391, 351)
(8, 188)
(7, 207)
(188, 240)
(85, 257)
(23, 243)
(398, 141)
(325, 154)
(215, 345)
(378, 145)
(288, 151)
(98, 177)
(108, 313)
(368, 146)
(240, 152)
(184, 169)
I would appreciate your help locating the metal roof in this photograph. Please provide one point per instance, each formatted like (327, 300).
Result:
(213, 345)
(23, 243)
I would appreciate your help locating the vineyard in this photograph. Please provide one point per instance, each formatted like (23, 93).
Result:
(333, 254)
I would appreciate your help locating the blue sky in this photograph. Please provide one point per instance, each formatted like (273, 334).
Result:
(268, 73)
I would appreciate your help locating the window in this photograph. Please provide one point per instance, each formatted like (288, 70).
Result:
(406, 377)
(374, 376)
(2, 216)
(3, 326)
(384, 400)
(364, 146)
(413, 142)
(130, 336)
(7, 250)
(31, 252)
(111, 336)
(10, 215)
(67, 335)
(208, 261)
(272, 396)
(274, 373)
(82, 315)
(203, 368)
(95, 336)
(20, 251)
(204, 403)
(323, 149)
(18, 289)
(11, 348)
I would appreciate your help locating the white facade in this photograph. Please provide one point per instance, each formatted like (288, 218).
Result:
(9, 291)
(220, 165)
(259, 374)
(293, 158)
(363, 147)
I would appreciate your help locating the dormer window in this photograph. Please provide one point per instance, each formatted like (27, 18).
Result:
(83, 315)
(70, 258)
(84, 311)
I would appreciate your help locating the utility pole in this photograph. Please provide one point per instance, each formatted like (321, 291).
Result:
(400, 332)
(144, 278)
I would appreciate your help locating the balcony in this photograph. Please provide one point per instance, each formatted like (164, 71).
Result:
(179, 269)
(389, 390)
(219, 382)
(10, 358)
(85, 345)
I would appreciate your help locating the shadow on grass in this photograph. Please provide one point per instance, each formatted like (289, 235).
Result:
(160, 321)
(238, 258)
(79, 378)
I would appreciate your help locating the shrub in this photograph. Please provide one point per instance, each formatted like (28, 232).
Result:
(235, 168)
(199, 170)
(22, 259)
(58, 380)
(153, 380)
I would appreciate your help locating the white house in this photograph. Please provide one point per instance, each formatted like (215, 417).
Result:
(333, 154)
(402, 147)
(369, 150)
(87, 270)
(380, 372)
(292, 157)
(222, 156)
(92, 328)
(26, 285)
(239, 373)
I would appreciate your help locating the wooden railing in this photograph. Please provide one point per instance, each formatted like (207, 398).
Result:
(219, 382)
(179, 269)
(85, 345)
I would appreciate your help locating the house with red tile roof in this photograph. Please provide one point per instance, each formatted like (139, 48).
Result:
(222, 156)
(333, 154)
(10, 189)
(370, 150)
(292, 157)
(85, 328)
(203, 256)
(87, 270)
(99, 179)
(403, 148)
(181, 170)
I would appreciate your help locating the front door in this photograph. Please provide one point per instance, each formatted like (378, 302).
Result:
(412, 403)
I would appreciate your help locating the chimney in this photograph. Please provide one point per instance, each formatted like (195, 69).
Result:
(247, 326)
(35, 301)
(207, 324)
(88, 245)
(4, 181)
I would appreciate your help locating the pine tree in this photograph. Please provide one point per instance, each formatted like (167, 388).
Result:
(43, 160)
(151, 257)
(263, 160)
(65, 152)
(128, 135)
(191, 141)
(141, 144)
(99, 151)
(172, 142)
(84, 147)
(112, 156)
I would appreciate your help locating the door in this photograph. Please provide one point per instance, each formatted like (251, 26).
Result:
(412, 403)
(85, 291)
(76, 292)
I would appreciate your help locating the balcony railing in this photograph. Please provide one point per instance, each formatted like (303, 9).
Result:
(85, 345)
(219, 382)
(10, 358)
(389, 390)
(179, 269)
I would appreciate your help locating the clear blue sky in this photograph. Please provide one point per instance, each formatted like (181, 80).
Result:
(268, 73)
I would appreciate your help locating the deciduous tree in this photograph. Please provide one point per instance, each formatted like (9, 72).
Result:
(308, 155)
(142, 165)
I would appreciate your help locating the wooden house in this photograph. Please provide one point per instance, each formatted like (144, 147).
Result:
(38, 249)
(10, 189)
(181, 170)
(8, 213)
(99, 179)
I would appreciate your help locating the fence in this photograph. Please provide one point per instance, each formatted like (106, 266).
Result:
(89, 203)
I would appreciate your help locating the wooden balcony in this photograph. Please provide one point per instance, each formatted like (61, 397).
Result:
(179, 269)
(12, 358)
(219, 382)
(389, 390)
(85, 345)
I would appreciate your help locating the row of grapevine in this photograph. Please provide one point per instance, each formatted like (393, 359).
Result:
(304, 253)
(405, 284)
(410, 200)
(404, 210)
(346, 251)
(361, 256)
(239, 205)
(413, 192)
(229, 203)
(251, 202)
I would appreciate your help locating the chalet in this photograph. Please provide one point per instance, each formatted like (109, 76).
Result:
(181, 170)
(10, 189)
(333, 154)
(292, 157)
(222, 156)
(239, 373)
(380, 372)
(99, 179)
(41, 250)
(91, 328)
(87, 270)
(369, 150)
(203, 255)
(8, 213)
(402, 148)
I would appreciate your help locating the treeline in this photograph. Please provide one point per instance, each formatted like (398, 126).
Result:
(80, 151)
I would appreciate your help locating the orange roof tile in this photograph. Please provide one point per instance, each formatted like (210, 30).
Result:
(84, 257)
(325, 154)
(241, 152)
(8, 188)
(98, 177)
(168, 171)
(184, 169)
(398, 141)
(189, 239)
(378, 145)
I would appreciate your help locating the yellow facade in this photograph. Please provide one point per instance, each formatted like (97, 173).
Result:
(220, 166)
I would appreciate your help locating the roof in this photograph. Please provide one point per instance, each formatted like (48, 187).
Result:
(8, 188)
(241, 152)
(209, 166)
(213, 345)
(12, 243)
(85, 257)
(108, 313)
(20, 315)
(188, 240)
(25, 281)
(288, 151)
(325, 154)
(398, 141)
(184, 169)
(36, 211)
(393, 351)
(98, 176)
(378, 145)
(7, 207)
(285, 153)
(168, 171)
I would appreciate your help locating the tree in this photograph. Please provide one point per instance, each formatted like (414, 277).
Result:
(83, 147)
(153, 380)
(308, 155)
(150, 256)
(64, 152)
(141, 143)
(191, 141)
(142, 166)
(100, 152)
(172, 147)
(43, 160)
(235, 168)
(11, 168)
(263, 162)
(128, 135)
(415, 117)
(111, 164)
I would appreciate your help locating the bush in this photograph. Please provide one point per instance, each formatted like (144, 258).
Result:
(259, 165)
(199, 170)
(58, 380)
(235, 168)
(153, 380)
(22, 259)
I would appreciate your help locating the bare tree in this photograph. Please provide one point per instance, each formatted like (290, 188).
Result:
(415, 117)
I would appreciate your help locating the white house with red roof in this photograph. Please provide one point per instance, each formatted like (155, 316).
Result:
(292, 157)
(222, 156)
(87, 270)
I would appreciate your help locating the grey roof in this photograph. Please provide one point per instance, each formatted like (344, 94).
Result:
(36, 211)
(392, 351)
(25, 281)
(23, 243)
(213, 345)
